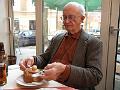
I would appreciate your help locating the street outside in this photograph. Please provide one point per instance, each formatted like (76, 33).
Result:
(23, 52)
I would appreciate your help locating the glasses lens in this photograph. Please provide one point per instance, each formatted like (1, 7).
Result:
(69, 17)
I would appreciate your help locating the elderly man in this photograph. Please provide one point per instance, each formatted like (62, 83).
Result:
(72, 58)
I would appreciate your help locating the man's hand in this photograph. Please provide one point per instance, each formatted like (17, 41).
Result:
(26, 63)
(53, 70)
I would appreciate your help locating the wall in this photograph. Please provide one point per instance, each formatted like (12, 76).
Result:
(4, 35)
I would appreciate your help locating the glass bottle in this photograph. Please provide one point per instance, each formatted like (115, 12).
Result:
(3, 74)
(3, 65)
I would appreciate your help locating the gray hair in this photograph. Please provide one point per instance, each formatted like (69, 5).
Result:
(80, 7)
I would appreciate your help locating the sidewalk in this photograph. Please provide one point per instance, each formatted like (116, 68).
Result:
(24, 52)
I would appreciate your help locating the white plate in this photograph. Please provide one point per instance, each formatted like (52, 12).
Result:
(20, 81)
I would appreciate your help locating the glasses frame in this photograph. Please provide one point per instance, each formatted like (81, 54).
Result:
(69, 17)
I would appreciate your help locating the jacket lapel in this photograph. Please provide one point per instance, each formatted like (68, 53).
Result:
(79, 56)
(57, 42)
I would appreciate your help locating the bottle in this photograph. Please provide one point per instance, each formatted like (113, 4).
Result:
(3, 75)
(3, 65)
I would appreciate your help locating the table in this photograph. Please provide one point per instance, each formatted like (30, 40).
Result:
(14, 72)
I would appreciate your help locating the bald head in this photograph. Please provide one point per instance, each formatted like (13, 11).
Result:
(78, 6)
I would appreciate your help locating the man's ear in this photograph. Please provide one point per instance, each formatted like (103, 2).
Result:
(82, 18)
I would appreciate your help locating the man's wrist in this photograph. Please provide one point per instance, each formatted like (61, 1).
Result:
(64, 75)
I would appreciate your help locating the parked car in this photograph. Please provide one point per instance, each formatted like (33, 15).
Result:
(25, 38)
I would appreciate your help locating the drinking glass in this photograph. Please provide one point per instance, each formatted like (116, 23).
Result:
(3, 75)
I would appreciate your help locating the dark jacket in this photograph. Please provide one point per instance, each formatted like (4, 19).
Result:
(86, 64)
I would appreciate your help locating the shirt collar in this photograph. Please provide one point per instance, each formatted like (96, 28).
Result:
(75, 35)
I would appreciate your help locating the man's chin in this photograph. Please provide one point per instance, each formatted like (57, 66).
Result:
(69, 29)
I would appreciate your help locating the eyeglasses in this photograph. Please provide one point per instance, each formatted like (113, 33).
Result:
(69, 17)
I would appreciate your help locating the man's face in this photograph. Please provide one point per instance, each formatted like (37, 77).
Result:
(72, 19)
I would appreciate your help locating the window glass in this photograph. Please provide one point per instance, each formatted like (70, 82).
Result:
(24, 28)
(52, 17)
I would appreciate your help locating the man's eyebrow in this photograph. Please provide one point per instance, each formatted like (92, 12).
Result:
(69, 15)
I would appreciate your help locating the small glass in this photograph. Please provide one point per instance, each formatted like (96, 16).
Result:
(3, 75)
